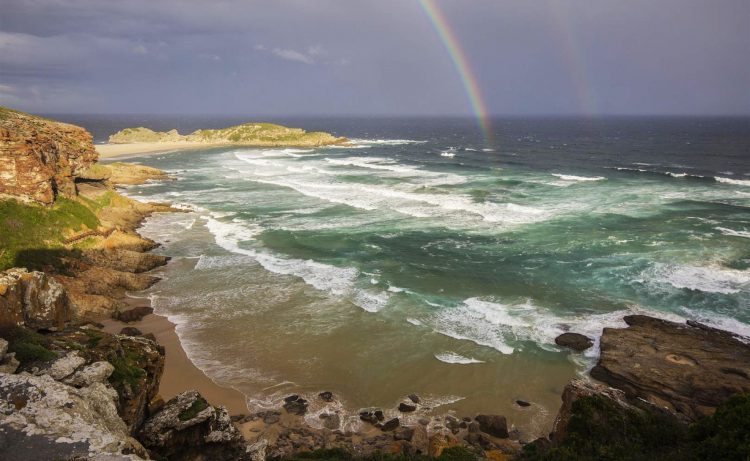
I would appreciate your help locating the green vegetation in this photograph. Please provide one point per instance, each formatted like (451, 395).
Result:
(337, 454)
(726, 434)
(28, 226)
(127, 371)
(28, 345)
(198, 405)
(601, 430)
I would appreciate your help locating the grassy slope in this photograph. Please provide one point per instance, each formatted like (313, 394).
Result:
(28, 226)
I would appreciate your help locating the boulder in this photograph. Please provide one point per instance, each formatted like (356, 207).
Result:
(326, 396)
(523, 403)
(131, 331)
(389, 425)
(406, 408)
(690, 369)
(414, 398)
(295, 405)
(133, 314)
(494, 425)
(575, 341)
(32, 299)
(187, 427)
(44, 419)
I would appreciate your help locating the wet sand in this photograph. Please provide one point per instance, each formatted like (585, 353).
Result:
(179, 372)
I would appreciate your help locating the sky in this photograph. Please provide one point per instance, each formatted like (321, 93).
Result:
(375, 57)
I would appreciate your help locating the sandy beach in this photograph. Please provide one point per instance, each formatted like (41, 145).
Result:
(138, 148)
(179, 372)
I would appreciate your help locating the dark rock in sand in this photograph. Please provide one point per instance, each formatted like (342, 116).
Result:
(406, 408)
(414, 398)
(330, 420)
(371, 417)
(295, 405)
(271, 417)
(131, 331)
(575, 341)
(522, 403)
(379, 415)
(688, 368)
(326, 396)
(494, 425)
(403, 433)
(390, 425)
(474, 427)
(133, 314)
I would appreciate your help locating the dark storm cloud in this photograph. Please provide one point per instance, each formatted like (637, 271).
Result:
(374, 57)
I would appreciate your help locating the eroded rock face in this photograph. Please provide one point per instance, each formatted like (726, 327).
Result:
(40, 158)
(689, 369)
(576, 390)
(187, 426)
(32, 299)
(43, 419)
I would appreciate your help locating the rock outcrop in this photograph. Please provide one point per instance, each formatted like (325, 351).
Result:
(689, 369)
(44, 419)
(32, 299)
(188, 426)
(39, 158)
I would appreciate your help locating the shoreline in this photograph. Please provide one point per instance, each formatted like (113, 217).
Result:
(108, 150)
(178, 368)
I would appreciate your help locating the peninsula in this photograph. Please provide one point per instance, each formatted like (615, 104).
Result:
(144, 140)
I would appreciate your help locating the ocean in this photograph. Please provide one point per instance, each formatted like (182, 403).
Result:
(422, 260)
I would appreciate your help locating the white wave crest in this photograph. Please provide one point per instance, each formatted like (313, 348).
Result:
(452, 357)
(734, 182)
(568, 177)
(733, 233)
(387, 142)
(708, 279)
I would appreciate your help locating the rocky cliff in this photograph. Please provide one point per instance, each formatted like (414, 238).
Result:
(40, 158)
(248, 134)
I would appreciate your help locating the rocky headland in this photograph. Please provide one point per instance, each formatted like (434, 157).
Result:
(247, 134)
(71, 389)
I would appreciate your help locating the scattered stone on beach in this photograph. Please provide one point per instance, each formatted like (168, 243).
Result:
(423, 421)
(131, 331)
(271, 417)
(296, 405)
(389, 425)
(326, 396)
(406, 408)
(494, 425)
(403, 433)
(575, 341)
(330, 420)
(522, 403)
(372, 417)
(688, 368)
(133, 314)
(414, 398)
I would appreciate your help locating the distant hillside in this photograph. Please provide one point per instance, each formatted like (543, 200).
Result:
(249, 134)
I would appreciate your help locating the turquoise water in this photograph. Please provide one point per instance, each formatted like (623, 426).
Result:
(418, 260)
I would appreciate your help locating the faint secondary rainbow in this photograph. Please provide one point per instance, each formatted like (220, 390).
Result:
(460, 62)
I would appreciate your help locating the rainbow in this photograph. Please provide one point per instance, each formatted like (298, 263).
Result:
(460, 62)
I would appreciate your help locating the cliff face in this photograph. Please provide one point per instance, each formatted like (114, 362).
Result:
(39, 158)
